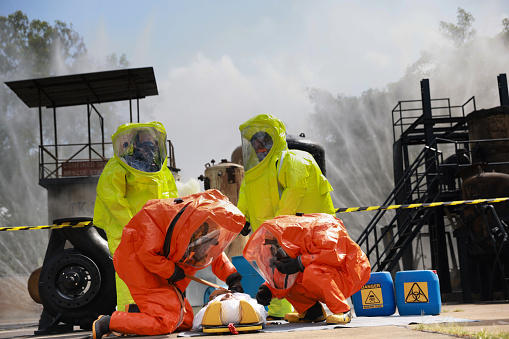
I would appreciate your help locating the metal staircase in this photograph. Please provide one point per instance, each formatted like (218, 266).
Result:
(421, 176)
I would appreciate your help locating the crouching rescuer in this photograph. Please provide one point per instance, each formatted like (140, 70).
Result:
(167, 240)
(308, 259)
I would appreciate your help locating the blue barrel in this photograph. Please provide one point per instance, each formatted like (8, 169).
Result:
(418, 292)
(251, 280)
(376, 297)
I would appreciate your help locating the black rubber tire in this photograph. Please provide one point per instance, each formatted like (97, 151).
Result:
(73, 286)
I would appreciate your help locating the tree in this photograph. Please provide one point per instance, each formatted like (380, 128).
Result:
(504, 35)
(357, 133)
(31, 49)
(462, 32)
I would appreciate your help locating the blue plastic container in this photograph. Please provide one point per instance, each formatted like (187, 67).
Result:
(251, 280)
(376, 297)
(418, 292)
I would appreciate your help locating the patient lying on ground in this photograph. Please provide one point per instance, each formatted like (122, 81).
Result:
(226, 309)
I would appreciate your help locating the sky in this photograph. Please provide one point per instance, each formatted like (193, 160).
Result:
(218, 63)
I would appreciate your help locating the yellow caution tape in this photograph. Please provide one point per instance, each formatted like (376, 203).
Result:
(71, 224)
(431, 204)
(78, 224)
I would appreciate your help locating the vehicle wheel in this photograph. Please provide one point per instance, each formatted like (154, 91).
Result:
(72, 286)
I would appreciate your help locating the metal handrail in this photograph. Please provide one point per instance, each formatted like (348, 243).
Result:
(371, 238)
(53, 169)
(371, 229)
(418, 119)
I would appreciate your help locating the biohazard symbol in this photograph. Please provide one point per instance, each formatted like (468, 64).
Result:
(372, 299)
(417, 293)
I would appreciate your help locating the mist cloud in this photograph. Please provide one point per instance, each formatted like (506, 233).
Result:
(202, 105)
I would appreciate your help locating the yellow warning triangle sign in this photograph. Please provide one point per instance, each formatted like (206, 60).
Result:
(416, 294)
(372, 299)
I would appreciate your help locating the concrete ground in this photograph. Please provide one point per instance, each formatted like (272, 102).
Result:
(491, 318)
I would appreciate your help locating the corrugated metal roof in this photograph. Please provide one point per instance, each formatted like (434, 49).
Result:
(86, 88)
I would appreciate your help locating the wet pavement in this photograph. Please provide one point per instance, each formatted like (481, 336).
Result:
(489, 318)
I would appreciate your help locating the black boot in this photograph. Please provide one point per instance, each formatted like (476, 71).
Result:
(101, 326)
(315, 313)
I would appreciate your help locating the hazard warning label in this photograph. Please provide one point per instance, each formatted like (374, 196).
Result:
(416, 292)
(371, 295)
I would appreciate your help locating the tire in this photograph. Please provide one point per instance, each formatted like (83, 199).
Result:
(73, 287)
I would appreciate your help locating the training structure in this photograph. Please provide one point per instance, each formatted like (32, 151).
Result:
(451, 175)
(76, 283)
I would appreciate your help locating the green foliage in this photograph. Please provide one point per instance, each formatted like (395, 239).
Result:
(357, 133)
(459, 33)
(504, 35)
(31, 47)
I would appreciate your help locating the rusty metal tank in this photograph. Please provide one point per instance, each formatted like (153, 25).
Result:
(226, 177)
(478, 184)
(489, 124)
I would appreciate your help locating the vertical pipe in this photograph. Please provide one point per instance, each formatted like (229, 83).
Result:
(130, 103)
(41, 164)
(102, 134)
(138, 108)
(426, 111)
(502, 90)
(89, 136)
(55, 134)
(438, 244)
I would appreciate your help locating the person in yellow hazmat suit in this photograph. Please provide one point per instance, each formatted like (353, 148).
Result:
(278, 181)
(137, 172)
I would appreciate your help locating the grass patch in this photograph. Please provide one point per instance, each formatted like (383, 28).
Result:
(460, 331)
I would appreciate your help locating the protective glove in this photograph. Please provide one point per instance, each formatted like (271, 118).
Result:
(178, 274)
(264, 295)
(247, 228)
(289, 265)
(233, 282)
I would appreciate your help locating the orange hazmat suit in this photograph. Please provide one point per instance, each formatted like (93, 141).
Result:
(335, 267)
(277, 180)
(190, 232)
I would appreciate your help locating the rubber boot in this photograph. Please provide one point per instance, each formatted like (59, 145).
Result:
(101, 327)
(339, 318)
(313, 314)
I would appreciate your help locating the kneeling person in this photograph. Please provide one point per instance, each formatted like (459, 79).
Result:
(308, 259)
(167, 240)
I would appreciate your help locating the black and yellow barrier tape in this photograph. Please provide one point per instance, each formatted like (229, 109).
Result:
(71, 224)
(431, 204)
(78, 224)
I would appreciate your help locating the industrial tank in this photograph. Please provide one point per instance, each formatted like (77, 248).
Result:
(485, 231)
(226, 177)
(488, 125)
(294, 142)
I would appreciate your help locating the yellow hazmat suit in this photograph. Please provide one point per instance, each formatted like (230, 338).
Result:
(278, 181)
(136, 173)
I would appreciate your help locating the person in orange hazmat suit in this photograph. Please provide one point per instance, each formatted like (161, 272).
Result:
(278, 181)
(308, 259)
(137, 172)
(167, 240)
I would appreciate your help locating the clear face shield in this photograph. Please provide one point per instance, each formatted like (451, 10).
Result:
(142, 148)
(256, 145)
(263, 252)
(206, 244)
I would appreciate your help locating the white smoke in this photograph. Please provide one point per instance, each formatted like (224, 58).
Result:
(202, 105)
